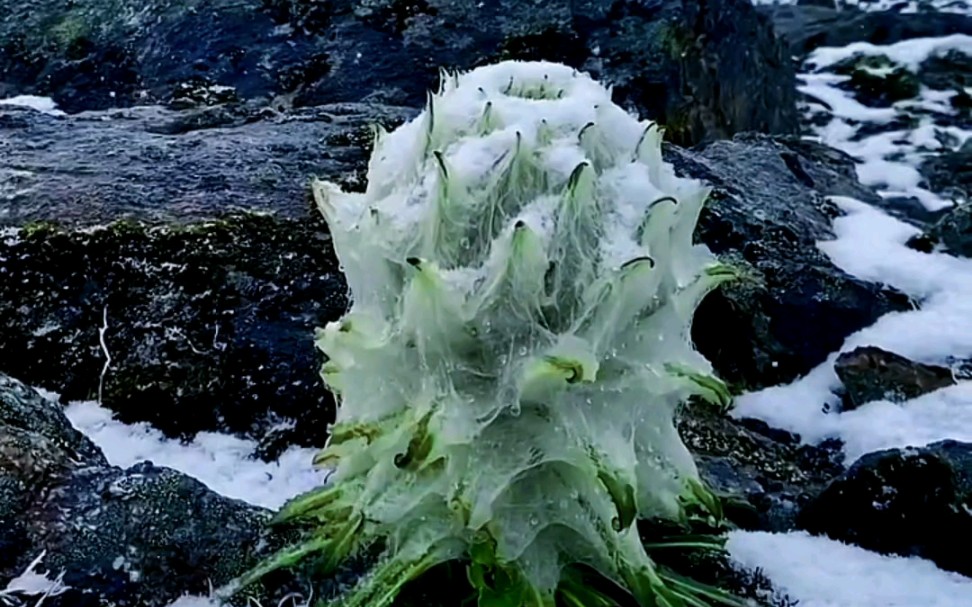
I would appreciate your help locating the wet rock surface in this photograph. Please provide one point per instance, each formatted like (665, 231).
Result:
(911, 502)
(662, 56)
(138, 537)
(764, 478)
(951, 173)
(766, 213)
(163, 166)
(953, 233)
(871, 374)
(951, 71)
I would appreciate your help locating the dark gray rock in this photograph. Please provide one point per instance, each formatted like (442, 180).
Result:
(871, 374)
(824, 3)
(808, 27)
(912, 502)
(764, 480)
(38, 449)
(140, 537)
(209, 326)
(953, 233)
(157, 165)
(766, 213)
(950, 173)
(706, 68)
(951, 71)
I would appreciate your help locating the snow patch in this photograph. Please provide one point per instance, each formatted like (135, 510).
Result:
(224, 463)
(819, 572)
(45, 105)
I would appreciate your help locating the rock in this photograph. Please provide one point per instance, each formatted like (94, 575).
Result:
(208, 326)
(661, 55)
(871, 374)
(764, 481)
(951, 71)
(806, 28)
(138, 537)
(153, 164)
(950, 172)
(209, 302)
(37, 447)
(876, 81)
(953, 232)
(910, 209)
(766, 213)
(730, 77)
(832, 4)
(961, 368)
(911, 502)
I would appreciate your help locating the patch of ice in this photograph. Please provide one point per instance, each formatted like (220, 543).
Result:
(224, 463)
(819, 572)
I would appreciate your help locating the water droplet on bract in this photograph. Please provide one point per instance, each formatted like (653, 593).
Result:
(464, 243)
(523, 350)
(534, 521)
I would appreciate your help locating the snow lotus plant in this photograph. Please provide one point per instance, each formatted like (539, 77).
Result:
(523, 280)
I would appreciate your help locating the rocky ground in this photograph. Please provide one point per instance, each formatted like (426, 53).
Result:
(158, 253)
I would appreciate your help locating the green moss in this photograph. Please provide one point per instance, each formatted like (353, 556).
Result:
(35, 230)
(878, 81)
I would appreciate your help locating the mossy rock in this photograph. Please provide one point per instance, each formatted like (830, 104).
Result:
(209, 326)
(877, 81)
